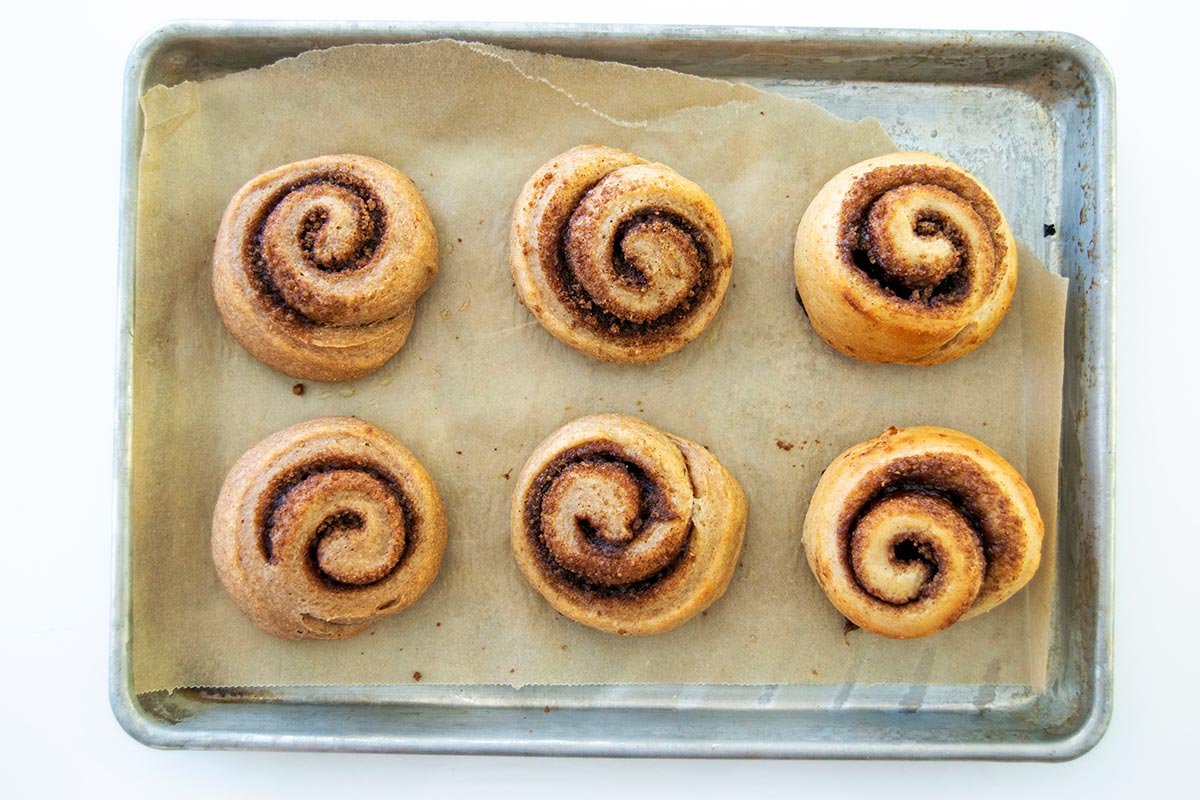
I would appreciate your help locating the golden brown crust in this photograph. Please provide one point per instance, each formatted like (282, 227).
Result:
(905, 258)
(623, 260)
(918, 528)
(625, 528)
(318, 265)
(325, 527)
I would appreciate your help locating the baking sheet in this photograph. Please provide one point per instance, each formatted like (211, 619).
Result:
(469, 124)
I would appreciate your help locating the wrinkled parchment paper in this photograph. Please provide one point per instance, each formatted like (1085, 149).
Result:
(479, 383)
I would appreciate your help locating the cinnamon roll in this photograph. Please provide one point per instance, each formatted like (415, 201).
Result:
(325, 527)
(905, 258)
(626, 528)
(621, 259)
(918, 528)
(318, 265)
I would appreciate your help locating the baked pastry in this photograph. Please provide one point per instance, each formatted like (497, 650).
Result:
(905, 258)
(918, 528)
(325, 527)
(621, 259)
(318, 265)
(625, 528)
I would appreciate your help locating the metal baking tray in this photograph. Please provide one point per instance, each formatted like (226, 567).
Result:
(1038, 104)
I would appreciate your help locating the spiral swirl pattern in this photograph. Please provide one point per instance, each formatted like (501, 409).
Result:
(623, 260)
(325, 527)
(625, 528)
(921, 527)
(905, 258)
(318, 265)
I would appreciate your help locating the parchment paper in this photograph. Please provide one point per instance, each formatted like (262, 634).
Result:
(479, 383)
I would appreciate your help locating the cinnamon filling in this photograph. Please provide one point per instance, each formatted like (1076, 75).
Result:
(631, 261)
(370, 226)
(896, 546)
(941, 272)
(610, 538)
(339, 521)
(649, 238)
(313, 232)
(950, 290)
(906, 551)
(954, 481)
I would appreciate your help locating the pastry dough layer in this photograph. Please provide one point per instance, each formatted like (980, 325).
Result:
(318, 264)
(325, 527)
(623, 260)
(905, 258)
(918, 528)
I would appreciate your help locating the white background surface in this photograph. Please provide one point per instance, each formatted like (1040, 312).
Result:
(63, 72)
